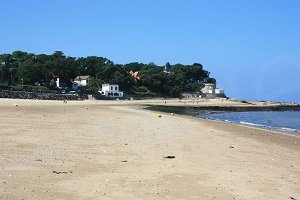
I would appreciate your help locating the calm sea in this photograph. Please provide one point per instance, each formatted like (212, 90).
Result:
(288, 121)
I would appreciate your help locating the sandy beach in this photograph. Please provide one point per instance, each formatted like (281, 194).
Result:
(117, 150)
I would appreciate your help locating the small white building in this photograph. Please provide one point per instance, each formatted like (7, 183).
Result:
(211, 91)
(209, 88)
(219, 91)
(111, 90)
(82, 80)
(57, 83)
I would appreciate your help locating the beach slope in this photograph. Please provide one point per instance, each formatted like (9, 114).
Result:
(92, 150)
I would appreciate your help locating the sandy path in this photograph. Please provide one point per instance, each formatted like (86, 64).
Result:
(51, 150)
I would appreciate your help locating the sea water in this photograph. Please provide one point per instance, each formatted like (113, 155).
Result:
(288, 121)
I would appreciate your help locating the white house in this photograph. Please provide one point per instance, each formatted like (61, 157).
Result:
(111, 90)
(82, 80)
(210, 90)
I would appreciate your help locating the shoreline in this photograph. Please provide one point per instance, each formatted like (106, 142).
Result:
(231, 123)
(185, 107)
(234, 108)
(292, 132)
(194, 111)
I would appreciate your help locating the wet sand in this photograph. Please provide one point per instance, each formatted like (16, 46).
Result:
(116, 150)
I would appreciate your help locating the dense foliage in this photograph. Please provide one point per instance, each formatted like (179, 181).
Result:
(42, 70)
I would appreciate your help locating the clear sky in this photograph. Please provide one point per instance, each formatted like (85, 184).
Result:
(252, 47)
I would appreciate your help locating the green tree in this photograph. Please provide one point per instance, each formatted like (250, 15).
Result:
(92, 65)
(154, 82)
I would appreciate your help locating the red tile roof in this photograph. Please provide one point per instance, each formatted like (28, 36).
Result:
(79, 78)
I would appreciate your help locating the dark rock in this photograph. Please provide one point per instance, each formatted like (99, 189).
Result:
(57, 172)
(170, 157)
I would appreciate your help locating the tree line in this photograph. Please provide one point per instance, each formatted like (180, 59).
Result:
(42, 69)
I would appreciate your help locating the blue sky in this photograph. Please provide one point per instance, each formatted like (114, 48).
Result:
(252, 47)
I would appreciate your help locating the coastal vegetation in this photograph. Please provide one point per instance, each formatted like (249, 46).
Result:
(21, 70)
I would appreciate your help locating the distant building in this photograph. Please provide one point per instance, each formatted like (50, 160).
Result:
(168, 68)
(57, 83)
(111, 90)
(135, 75)
(210, 90)
(82, 80)
(220, 92)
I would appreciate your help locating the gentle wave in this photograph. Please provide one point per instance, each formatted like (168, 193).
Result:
(288, 121)
(289, 129)
(251, 124)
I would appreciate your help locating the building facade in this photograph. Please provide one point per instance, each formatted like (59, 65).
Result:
(82, 80)
(111, 90)
(210, 90)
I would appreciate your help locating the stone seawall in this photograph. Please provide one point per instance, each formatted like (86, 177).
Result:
(192, 110)
(38, 95)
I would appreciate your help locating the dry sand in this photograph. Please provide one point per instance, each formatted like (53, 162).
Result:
(115, 150)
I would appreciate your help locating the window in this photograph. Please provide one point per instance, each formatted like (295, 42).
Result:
(116, 94)
(116, 88)
(111, 88)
